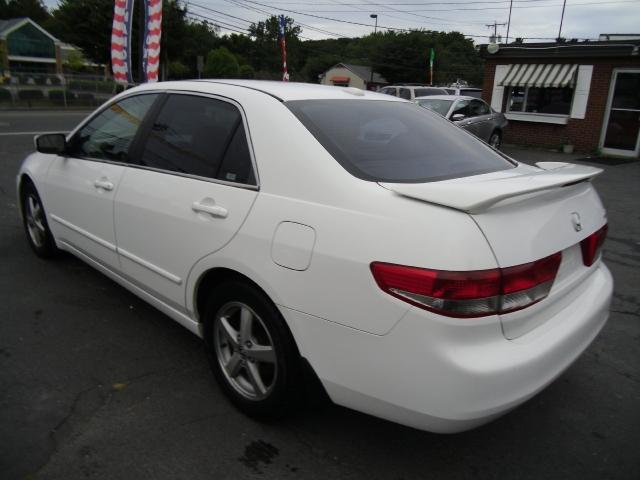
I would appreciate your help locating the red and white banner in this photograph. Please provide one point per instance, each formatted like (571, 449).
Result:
(152, 35)
(121, 41)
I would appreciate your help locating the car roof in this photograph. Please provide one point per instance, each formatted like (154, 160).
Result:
(447, 97)
(283, 91)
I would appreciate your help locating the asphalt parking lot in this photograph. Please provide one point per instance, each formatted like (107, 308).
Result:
(94, 383)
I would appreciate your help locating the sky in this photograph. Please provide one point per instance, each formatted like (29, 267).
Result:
(329, 18)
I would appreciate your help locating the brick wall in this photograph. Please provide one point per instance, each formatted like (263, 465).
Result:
(583, 134)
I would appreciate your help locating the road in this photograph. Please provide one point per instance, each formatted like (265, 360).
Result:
(94, 383)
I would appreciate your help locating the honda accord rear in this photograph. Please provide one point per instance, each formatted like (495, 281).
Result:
(419, 274)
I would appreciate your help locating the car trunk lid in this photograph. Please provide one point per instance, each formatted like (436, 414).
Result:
(526, 214)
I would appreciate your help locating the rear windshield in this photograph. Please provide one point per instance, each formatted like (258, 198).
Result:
(425, 92)
(472, 92)
(439, 106)
(387, 141)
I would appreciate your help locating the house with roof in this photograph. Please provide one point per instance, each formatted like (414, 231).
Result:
(349, 75)
(27, 47)
(583, 95)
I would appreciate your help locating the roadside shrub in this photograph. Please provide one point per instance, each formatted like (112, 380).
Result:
(57, 97)
(5, 95)
(30, 95)
(85, 99)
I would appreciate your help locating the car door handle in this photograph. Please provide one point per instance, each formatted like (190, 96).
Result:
(211, 209)
(104, 184)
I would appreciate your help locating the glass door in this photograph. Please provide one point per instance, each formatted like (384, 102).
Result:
(621, 130)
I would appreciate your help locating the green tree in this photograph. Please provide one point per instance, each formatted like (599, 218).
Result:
(178, 70)
(246, 71)
(75, 61)
(316, 65)
(87, 24)
(34, 9)
(221, 63)
(265, 54)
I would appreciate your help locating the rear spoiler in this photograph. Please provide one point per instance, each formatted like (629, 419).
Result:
(475, 194)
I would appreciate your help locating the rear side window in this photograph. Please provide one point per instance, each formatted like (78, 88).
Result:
(386, 141)
(389, 91)
(405, 93)
(200, 136)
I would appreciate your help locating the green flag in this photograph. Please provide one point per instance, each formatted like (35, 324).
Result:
(432, 57)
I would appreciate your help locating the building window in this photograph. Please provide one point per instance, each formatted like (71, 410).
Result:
(550, 101)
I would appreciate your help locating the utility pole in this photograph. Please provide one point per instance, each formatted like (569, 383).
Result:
(495, 26)
(564, 4)
(509, 21)
(375, 30)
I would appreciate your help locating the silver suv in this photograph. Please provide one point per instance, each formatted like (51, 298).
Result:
(410, 92)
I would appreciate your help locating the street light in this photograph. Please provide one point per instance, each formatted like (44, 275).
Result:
(375, 15)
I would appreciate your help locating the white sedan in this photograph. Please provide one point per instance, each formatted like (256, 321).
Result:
(308, 232)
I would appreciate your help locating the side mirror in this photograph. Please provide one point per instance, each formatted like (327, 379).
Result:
(51, 143)
(457, 117)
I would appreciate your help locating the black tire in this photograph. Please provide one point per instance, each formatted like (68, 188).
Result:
(35, 223)
(283, 378)
(495, 140)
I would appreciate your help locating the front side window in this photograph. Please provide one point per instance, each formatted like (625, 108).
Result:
(389, 91)
(384, 141)
(200, 136)
(108, 136)
(463, 107)
(478, 108)
(552, 100)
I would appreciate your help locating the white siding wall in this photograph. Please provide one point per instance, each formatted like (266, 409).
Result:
(354, 81)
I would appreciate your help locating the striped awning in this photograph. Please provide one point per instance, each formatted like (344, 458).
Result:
(540, 75)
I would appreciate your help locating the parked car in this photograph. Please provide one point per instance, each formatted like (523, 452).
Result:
(470, 113)
(312, 232)
(465, 91)
(410, 92)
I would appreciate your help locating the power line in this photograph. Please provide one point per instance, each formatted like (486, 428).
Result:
(316, 29)
(351, 4)
(412, 12)
(216, 23)
(398, 29)
(371, 6)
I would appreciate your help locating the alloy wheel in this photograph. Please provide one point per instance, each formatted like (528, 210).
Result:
(245, 351)
(35, 221)
(494, 141)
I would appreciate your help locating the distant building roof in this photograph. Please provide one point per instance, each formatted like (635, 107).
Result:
(362, 71)
(566, 49)
(9, 25)
(619, 36)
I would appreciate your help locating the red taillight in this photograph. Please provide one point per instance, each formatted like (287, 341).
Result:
(469, 294)
(592, 245)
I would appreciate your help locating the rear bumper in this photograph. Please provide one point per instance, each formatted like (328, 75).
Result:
(449, 375)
